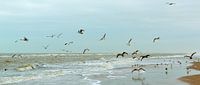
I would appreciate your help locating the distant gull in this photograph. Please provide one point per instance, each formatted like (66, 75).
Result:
(166, 71)
(129, 42)
(51, 36)
(45, 47)
(85, 50)
(138, 69)
(135, 53)
(81, 31)
(104, 36)
(170, 3)
(68, 43)
(16, 41)
(157, 38)
(65, 50)
(145, 56)
(191, 55)
(24, 39)
(14, 55)
(58, 36)
(122, 54)
(19, 55)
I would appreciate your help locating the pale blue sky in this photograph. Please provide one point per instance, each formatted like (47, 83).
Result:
(142, 20)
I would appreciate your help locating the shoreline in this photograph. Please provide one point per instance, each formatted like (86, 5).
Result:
(192, 79)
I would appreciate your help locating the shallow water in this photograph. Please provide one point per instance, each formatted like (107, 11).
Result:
(101, 70)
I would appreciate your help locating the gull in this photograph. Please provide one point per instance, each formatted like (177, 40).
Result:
(58, 36)
(19, 55)
(104, 36)
(129, 42)
(24, 39)
(122, 54)
(69, 43)
(51, 36)
(170, 3)
(16, 41)
(85, 50)
(138, 69)
(191, 55)
(81, 31)
(145, 56)
(45, 47)
(135, 53)
(65, 50)
(157, 38)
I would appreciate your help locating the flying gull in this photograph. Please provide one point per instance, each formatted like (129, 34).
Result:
(85, 50)
(157, 38)
(81, 31)
(191, 55)
(122, 54)
(104, 36)
(129, 42)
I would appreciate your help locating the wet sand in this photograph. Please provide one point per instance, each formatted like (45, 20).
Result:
(193, 79)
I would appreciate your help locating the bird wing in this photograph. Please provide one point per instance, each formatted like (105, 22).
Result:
(59, 35)
(193, 54)
(130, 40)
(134, 70)
(142, 58)
(118, 55)
(142, 69)
(104, 36)
(154, 40)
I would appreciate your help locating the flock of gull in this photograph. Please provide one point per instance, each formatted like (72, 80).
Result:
(122, 54)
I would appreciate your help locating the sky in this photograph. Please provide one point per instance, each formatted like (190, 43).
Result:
(142, 20)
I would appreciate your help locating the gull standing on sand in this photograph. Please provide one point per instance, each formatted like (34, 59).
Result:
(121, 54)
(166, 71)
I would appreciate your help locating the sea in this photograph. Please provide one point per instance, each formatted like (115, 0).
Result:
(100, 69)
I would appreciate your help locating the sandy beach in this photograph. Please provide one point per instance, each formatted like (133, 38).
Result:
(193, 79)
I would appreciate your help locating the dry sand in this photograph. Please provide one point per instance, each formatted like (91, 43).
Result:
(193, 79)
